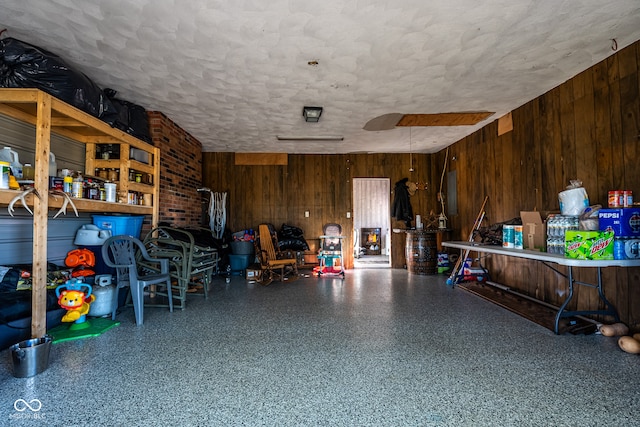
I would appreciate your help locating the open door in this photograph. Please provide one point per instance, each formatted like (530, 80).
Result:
(372, 223)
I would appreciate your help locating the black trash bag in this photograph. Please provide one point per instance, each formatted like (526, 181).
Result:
(294, 244)
(290, 232)
(130, 118)
(23, 65)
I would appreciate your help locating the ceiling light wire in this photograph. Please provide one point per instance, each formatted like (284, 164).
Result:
(444, 170)
(410, 151)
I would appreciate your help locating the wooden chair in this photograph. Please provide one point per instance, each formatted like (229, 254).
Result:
(273, 263)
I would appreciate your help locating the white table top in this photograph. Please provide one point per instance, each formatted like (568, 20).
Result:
(542, 256)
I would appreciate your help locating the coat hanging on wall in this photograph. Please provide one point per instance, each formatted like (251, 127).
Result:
(401, 209)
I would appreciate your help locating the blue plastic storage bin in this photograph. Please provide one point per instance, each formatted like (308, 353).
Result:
(130, 225)
(239, 262)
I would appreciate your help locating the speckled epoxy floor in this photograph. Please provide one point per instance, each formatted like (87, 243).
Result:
(382, 348)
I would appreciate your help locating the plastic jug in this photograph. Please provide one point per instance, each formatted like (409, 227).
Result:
(10, 156)
(53, 166)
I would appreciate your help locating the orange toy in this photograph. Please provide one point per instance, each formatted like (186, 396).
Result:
(80, 257)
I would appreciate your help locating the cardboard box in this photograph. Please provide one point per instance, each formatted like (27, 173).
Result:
(314, 245)
(534, 234)
(56, 183)
(581, 244)
(253, 274)
(310, 258)
(624, 222)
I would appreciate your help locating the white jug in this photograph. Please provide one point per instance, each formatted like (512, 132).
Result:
(10, 156)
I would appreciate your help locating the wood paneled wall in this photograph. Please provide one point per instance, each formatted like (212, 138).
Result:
(588, 128)
(320, 184)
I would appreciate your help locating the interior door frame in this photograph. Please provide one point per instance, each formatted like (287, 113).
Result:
(384, 214)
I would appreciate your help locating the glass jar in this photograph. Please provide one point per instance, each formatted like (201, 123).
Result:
(112, 174)
(28, 172)
(102, 173)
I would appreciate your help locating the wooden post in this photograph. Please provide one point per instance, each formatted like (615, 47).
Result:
(156, 188)
(40, 210)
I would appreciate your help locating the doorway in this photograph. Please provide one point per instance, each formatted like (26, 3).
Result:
(371, 223)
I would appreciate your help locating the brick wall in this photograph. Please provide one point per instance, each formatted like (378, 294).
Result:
(180, 171)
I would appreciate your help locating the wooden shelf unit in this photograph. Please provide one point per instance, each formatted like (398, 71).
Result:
(51, 115)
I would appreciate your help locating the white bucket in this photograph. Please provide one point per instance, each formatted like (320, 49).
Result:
(110, 191)
(4, 175)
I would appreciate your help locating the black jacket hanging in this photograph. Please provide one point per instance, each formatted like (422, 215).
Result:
(401, 209)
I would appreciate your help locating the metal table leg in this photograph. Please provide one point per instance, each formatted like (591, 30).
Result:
(609, 309)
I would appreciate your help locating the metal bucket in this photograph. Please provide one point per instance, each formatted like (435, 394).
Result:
(31, 357)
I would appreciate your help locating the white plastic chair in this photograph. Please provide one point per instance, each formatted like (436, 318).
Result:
(120, 252)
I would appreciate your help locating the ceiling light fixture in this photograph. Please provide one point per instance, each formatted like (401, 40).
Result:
(310, 137)
(311, 114)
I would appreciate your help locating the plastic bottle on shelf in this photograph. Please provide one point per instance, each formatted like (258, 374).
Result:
(77, 186)
(10, 156)
(67, 184)
(53, 165)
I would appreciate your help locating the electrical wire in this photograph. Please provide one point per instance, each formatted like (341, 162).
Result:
(444, 169)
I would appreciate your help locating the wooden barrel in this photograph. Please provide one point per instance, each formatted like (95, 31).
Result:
(421, 252)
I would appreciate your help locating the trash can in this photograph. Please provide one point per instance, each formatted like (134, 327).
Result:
(242, 247)
(31, 357)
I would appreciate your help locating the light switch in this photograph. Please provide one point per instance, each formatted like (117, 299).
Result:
(348, 214)
(306, 214)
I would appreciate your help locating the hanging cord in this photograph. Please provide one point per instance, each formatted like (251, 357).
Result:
(444, 169)
(217, 211)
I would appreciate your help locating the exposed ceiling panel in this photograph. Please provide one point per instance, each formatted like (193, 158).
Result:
(444, 119)
(236, 74)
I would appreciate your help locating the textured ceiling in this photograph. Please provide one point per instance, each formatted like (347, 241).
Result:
(236, 73)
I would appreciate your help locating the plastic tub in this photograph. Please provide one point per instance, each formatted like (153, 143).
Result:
(239, 262)
(130, 225)
(241, 247)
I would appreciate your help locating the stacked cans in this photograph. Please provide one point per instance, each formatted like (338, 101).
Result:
(620, 198)
(625, 224)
